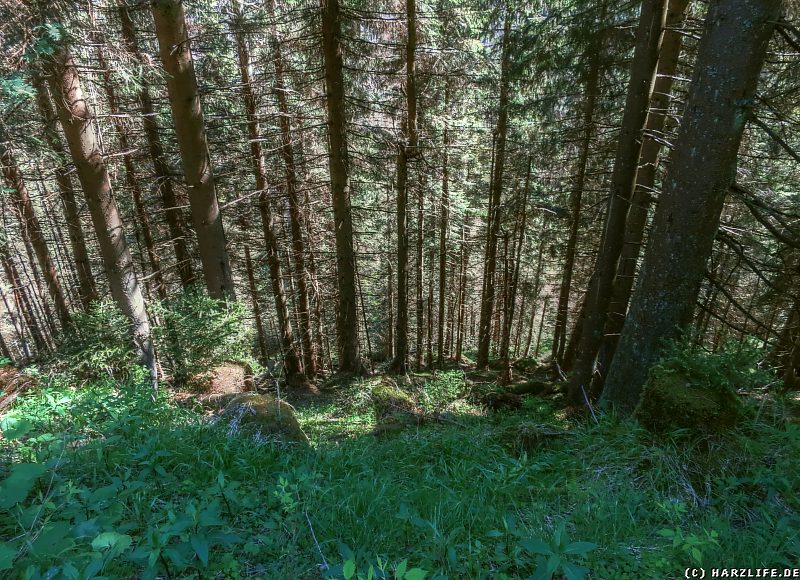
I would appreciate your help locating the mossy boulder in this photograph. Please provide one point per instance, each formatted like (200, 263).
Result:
(219, 385)
(672, 400)
(388, 399)
(264, 416)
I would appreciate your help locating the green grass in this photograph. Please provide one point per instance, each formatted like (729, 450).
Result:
(132, 487)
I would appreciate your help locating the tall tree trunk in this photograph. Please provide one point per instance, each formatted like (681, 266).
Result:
(461, 297)
(513, 281)
(444, 226)
(575, 203)
(495, 196)
(645, 182)
(77, 121)
(254, 298)
(32, 232)
(295, 211)
(623, 181)
(347, 313)
(702, 169)
(291, 358)
(187, 115)
(419, 277)
(80, 254)
(130, 179)
(173, 212)
(406, 150)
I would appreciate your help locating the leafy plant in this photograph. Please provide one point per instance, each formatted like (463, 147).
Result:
(198, 332)
(558, 555)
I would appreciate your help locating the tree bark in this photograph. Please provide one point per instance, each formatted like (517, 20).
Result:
(407, 149)
(173, 212)
(645, 182)
(623, 181)
(77, 121)
(80, 254)
(703, 167)
(347, 313)
(495, 196)
(187, 115)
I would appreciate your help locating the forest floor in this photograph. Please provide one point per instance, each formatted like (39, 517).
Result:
(115, 484)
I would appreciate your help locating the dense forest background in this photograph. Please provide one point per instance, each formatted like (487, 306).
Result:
(556, 197)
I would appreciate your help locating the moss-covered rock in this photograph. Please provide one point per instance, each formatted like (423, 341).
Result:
(388, 399)
(671, 400)
(264, 415)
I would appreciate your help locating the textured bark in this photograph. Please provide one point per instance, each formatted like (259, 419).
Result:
(347, 312)
(32, 232)
(77, 121)
(575, 203)
(462, 291)
(702, 169)
(187, 115)
(495, 196)
(172, 211)
(254, 298)
(444, 225)
(645, 180)
(420, 275)
(290, 356)
(623, 181)
(80, 254)
(406, 150)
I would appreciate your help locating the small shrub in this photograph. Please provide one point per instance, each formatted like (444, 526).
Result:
(99, 345)
(197, 332)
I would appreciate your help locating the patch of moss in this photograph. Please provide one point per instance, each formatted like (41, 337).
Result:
(388, 399)
(264, 415)
(673, 401)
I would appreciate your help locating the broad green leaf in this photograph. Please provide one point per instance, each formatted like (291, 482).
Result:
(18, 485)
(15, 427)
(573, 571)
(553, 562)
(536, 546)
(349, 569)
(200, 545)
(52, 540)
(7, 554)
(400, 571)
(416, 574)
(114, 542)
(579, 548)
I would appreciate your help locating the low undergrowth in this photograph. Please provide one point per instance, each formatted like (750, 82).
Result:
(107, 481)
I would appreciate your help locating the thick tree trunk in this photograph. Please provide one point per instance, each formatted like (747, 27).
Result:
(407, 149)
(623, 181)
(495, 196)
(645, 182)
(461, 297)
(702, 168)
(187, 115)
(291, 358)
(80, 254)
(77, 121)
(347, 312)
(419, 275)
(173, 212)
(32, 232)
